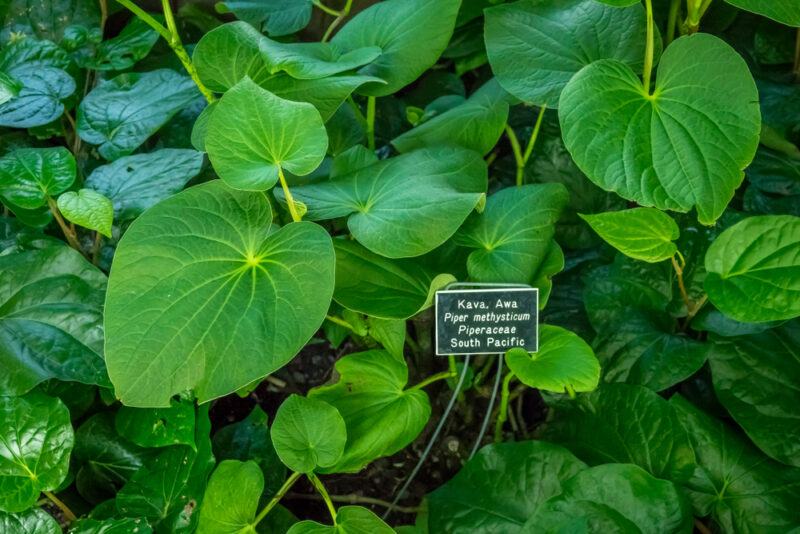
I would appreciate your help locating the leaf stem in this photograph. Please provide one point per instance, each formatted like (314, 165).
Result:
(341, 322)
(672, 21)
(330, 11)
(357, 499)
(98, 240)
(146, 17)
(796, 68)
(68, 514)
(276, 498)
(338, 20)
(103, 15)
(371, 122)
(502, 414)
(69, 233)
(289, 198)
(534, 136)
(317, 483)
(515, 148)
(681, 285)
(444, 375)
(649, 48)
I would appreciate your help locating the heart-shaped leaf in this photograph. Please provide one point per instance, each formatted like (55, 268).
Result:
(158, 427)
(308, 434)
(35, 442)
(645, 234)
(33, 521)
(349, 520)
(784, 11)
(404, 206)
(119, 53)
(89, 209)
(275, 17)
(29, 175)
(380, 414)
(563, 363)
(535, 46)
(231, 499)
(753, 269)
(682, 146)
(232, 304)
(252, 134)
(38, 101)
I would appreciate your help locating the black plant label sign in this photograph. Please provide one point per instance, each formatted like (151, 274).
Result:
(487, 320)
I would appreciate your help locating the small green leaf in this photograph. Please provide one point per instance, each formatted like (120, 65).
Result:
(158, 427)
(231, 499)
(35, 443)
(645, 234)
(308, 434)
(275, 17)
(9, 87)
(29, 175)
(234, 302)
(381, 415)
(349, 520)
(403, 206)
(784, 11)
(391, 333)
(563, 363)
(677, 148)
(253, 133)
(311, 61)
(89, 209)
(39, 100)
(119, 53)
(33, 521)
(753, 269)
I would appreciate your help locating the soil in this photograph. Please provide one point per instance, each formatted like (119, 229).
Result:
(383, 478)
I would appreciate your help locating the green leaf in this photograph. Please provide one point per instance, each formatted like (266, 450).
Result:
(743, 490)
(391, 333)
(784, 11)
(135, 183)
(349, 520)
(411, 34)
(9, 88)
(120, 114)
(619, 3)
(33, 521)
(403, 206)
(35, 442)
(753, 269)
(501, 487)
(563, 363)
(111, 526)
(678, 148)
(51, 19)
(535, 46)
(654, 506)
(645, 234)
(381, 415)
(119, 53)
(310, 61)
(380, 287)
(39, 101)
(476, 124)
(308, 434)
(106, 460)
(51, 305)
(250, 439)
(234, 302)
(158, 427)
(29, 175)
(89, 209)
(231, 499)
(623, 423)
(513, 236)
(252, 134)
(33, 53)
(275, 17)
(228, 53)
(755, 378)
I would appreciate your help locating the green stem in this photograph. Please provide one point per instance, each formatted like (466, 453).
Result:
(672, 21)
(444, 375)
(317, 483)
(531, 142)
(515, 148)
(146, 17)
(649, 48)
(502, 415)
(69, 233)
(341, 322)
(103, 15)
(330, 11)
(681, 285)
(338, 20)
(289, 198)
(68, 514)
(276, 498)
(796, 68)
(371, 122)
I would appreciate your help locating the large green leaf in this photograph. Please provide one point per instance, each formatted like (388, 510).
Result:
(28, 176)
(380, 414)
(119, 53)
(35, 443)
(231, 498)
(784, 11)
(755, 378)
(232, 304)
(381, 287)
(476, 124)
(89, 209)
(513, 236)
(678, 148)
(564, 362)
(252, 134)
(743, 490)
(754, 269)
(51, 306)
(501, 487)
(33, 521)
(410, 33)
(349, 520)
(535, 46)
(404, 206)
(135, 183)
(158, 427)
(33, 53)
(645, 234)
(228, 53)
(48, 19)
(275, 17)
(38, 101)
(120, 114)
(654, 506)
(624, 424)
(308, 434)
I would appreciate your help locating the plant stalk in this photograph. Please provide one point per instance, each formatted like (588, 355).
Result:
(681, 285)
(371, 122)
(502, 415)
(276, 498)
(68, 514)
(672, 21)
(444, 375)
(796, 68)
(338, 20)
(289, 198)
(649, 48)
(317, 483)
(341, 322)
(69, 232)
